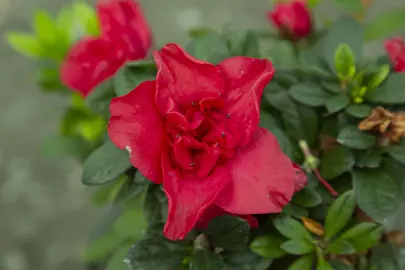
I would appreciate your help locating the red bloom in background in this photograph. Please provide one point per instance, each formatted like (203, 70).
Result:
(124, 36)
(195, 129)
(395, 48)
(293, 19)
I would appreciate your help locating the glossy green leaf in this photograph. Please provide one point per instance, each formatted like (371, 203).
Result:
(309, 94)
(242, 42)
(385, 24)
(209, 47)
(206, 260)
(345, 30)
(359, 110)
(298, 246)
(25, 44)
(341, 247)
(105, 164)
(45, 28)
(99, 99)
(303, 263)
(291, 228)
(337, 103)
(336, 162)
(354, 138)
(128, 78)
(307, 197)
(339, 213)
(363, 236)
(155, 205)
(391, 92)
(228, 232)
(116, 262)
(378, 192)
(345, 63)
(268, 246)
(397, 152)
(371, 158)
(377, 78)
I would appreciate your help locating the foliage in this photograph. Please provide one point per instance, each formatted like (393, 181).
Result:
(322, 91)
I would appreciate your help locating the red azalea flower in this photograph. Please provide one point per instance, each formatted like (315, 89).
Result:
(292, 19)
(124, 36)
(395, 48)
(195, 129)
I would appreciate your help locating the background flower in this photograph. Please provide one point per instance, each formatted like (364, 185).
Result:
(124, 36)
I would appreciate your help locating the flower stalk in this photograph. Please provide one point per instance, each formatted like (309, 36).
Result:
(311, 163)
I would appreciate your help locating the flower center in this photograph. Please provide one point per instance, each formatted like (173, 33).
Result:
(199, 137)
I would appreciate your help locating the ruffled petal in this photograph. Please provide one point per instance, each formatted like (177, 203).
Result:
(263, 178)
(184, 79)
(124, 20)
(245, 81)
(88, 64)
(135, 125)
(189, 198)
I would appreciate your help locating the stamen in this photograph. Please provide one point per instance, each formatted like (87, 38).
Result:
(192, 164)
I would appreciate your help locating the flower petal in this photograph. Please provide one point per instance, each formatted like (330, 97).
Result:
(124, 20)
(245, 81)
(300, 178)
(263, 178)
(135, 125)
(88, 64)
(183, 78)
(189, 198)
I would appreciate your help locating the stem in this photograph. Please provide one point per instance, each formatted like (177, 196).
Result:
(325, 183)
(308, 156)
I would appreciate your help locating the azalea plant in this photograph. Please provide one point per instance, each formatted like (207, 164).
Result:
(243, 149)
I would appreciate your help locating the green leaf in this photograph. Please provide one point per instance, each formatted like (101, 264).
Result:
(209, 47)
(385, 24)
(66, 146)
(117, 260)
(345, 64)
(359, 110)
(155, 205)
(345, 30)
(128, 78)
(354, 6)
(303, 263)
(397, 152)
(99, 99)
(384, 257)
(336, 162)
(157, 254)
(291, 228)
(245, 260)
(332, 87)
(339, 213)
(391, 92)
(339, 265)
(45, 28)
(269, 122)
(307, 197)
(282, 55)
(354, 138)
(268, 246)
(323, 265)
(337, 103)
(340, 247)
(363, 236)
(130, 224)
(206, 260)
(105, 164)
(25, 44)
(228, 232)
(378, 192)
(298, 246)
(86, 19)
(371, 158)
(309, 94)
(245, 42)
(377, 78)
(296, 211)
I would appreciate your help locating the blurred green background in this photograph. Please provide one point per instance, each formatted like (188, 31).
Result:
(45, 212)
